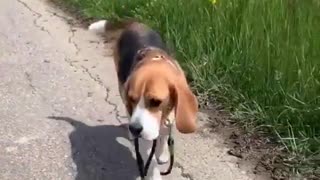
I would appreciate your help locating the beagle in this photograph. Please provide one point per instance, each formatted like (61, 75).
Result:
(153, 88)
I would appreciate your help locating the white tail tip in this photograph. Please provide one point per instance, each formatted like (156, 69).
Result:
(98, 27)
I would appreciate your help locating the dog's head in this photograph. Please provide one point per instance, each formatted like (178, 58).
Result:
(155, 89)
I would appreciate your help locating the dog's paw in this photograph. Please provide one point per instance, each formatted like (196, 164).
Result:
(164, 157)
(155, 176)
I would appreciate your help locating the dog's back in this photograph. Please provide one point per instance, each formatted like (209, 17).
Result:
(134, 38)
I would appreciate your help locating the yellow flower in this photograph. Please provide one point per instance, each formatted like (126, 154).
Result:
(213, 1)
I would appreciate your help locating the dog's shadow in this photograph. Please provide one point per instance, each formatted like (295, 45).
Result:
(97, 153)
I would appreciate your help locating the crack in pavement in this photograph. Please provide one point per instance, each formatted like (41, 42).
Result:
(114, 105)
(29, 80)
(34, 90)
(70, 40)
(95, 78)
(107, 98)
(107, 90)
(183, 173)
(69, 22)
(86, 70)
(39, 16)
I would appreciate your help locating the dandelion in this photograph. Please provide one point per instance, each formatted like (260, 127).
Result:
(213, 1)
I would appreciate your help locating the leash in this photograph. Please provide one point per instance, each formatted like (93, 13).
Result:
(171, 148)
(143, 169)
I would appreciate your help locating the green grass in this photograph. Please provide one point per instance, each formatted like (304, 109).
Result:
(261, 58)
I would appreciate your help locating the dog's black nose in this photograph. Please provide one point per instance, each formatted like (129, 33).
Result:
(135, 129)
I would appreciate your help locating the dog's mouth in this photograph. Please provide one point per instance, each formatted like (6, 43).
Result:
(144, 128)
(149, 137)
(136, 136)
(146, 134)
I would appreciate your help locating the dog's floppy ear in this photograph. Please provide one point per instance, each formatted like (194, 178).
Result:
(127, 103)
(133, 89)
(186, 107)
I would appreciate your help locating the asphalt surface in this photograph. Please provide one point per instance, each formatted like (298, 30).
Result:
(60, 111)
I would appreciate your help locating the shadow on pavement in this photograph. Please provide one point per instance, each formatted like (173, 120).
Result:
(97, 154)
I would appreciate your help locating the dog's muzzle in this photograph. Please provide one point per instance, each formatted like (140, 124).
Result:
(135, 129)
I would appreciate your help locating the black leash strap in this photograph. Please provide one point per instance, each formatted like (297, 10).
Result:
(143, 170)
(139, 158)
(171, 151)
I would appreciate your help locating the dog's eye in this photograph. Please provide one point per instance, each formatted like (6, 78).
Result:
(154, 103)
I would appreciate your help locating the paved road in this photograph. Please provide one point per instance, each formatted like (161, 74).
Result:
(60, 112)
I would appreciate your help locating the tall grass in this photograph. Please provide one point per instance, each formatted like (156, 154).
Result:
(260, 57)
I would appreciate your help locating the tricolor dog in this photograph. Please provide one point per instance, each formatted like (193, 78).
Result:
(153, 88)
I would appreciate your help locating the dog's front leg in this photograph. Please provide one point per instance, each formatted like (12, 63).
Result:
(145, 150)
(162, 151)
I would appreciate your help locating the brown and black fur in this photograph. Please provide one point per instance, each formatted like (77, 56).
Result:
(132, 40)
(140, 46)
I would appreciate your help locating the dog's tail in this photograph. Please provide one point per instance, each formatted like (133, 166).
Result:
(98, 26)
(103, 26)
